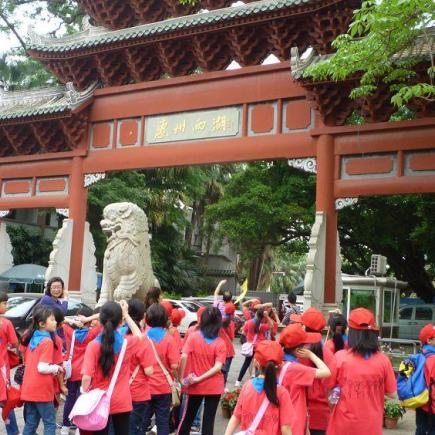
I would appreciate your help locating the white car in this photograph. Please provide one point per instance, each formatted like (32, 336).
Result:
(190, 308)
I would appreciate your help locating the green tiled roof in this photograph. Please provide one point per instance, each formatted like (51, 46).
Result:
(95, 36)
(40, 102)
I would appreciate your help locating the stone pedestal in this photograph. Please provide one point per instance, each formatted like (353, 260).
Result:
(314, 282)
(60, 260)
(6, 258)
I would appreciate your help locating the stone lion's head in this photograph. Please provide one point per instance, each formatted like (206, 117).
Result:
(124, 217)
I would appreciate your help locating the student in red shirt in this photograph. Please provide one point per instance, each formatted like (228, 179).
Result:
(176, 317)
(37, 390)
(297, 377)
(205, 352)
(364, 376)
(279, 414)
(317, 394)
(227, 333)
(166, 349)
(83, 335)
(425, 420)
(141, 367)
(337, 329)
(255, 331)
(100, 360)
(8, 339)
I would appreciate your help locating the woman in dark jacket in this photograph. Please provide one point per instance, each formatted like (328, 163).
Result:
(56, 295)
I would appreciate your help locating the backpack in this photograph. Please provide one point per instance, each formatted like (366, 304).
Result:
(412, 390)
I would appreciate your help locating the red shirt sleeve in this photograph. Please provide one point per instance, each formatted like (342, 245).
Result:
(45, 349)
(221, 351)
(11, 334)
(304, 375)
(187, 347)
(286, 411)
(238, 410)
(146, 354)
(172, 352)
(57, 354)
(390, 378)
(90, 360)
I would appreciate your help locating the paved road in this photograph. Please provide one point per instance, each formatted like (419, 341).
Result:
(406, 426)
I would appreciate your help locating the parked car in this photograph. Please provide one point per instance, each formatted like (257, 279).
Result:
(190, 308)
(239, 318)
(21, 306)
(413, 317)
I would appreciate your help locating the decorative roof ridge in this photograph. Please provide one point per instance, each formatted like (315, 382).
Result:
(38, 101)
(420, 48)
(96, 35)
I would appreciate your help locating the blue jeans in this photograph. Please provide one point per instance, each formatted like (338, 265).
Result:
(422, 422)
(137, 419)
(12, 426)
(160, 405)
(35, 411)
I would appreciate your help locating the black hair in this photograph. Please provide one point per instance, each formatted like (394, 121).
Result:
(3, 297)
(316, 348)
(211, 322)
(337, 326)
(270, 383)
(152, 296)
(156, 316)
(259, 315)
(110, 318)
(85, 311)
(136, 310)
(363, 341)
(39, 315)
(51, 282)
(59, 315)
(291, 297)
(227, 296)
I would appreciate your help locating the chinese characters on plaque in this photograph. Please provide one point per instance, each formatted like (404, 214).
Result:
(205, 124)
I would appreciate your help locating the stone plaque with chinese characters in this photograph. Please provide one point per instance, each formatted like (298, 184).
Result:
(205, 124)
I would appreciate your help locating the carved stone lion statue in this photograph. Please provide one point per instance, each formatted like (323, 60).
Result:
(127, 261)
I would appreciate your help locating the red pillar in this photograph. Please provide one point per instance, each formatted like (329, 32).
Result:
(325, 202)
(77, 212)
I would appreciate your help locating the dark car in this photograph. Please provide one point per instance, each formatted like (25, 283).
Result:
(21, 306)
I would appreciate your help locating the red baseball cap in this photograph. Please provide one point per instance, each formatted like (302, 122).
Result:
(426, 333)
(268, 350)
(362, 318)
(177, 316)
(313, 319)
(230, 308)
(167, 306)
(296, 318)
(293, 336)
(199, 313)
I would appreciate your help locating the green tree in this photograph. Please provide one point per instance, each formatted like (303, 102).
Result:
(266, 205)
(28, 245)
(376, 49)
(398, 227)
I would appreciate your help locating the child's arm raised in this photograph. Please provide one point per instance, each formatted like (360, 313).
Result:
(322, 369)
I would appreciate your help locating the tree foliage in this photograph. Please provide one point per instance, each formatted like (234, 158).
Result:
(377, 48)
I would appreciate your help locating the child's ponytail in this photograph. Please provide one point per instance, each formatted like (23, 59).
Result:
(110, 318)
(270, 383)
(338, 325)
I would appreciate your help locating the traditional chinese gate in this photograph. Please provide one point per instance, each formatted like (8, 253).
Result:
(53, 152)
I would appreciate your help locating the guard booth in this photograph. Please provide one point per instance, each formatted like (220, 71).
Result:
(381, 295)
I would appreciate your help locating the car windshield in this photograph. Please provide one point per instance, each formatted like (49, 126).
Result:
(19, 307)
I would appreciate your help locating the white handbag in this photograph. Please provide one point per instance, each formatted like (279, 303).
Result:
(248, 348)
(67, 365)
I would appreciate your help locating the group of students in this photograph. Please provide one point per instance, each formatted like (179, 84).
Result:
(301, 384)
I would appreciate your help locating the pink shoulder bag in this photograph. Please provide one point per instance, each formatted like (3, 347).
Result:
(91, 410)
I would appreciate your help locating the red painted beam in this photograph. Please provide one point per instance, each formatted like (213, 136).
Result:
(46, 201)
(384, 186)
(219, 89)
(35, 169)
(296, 145)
